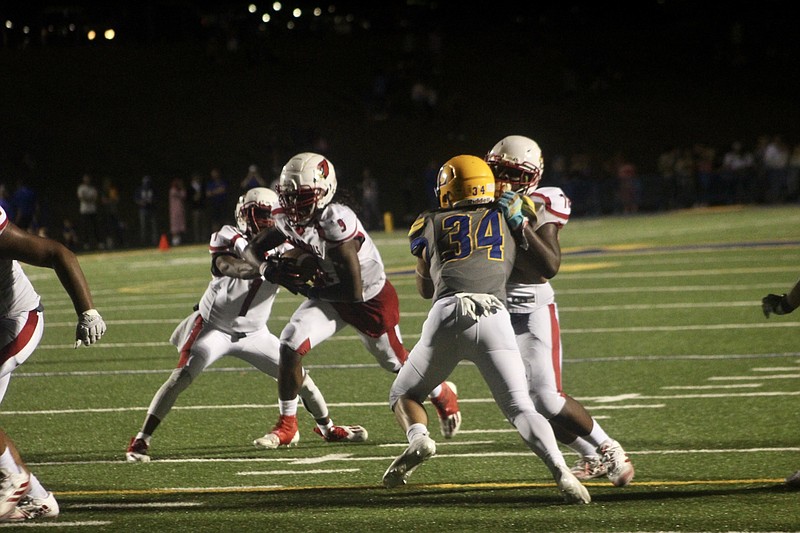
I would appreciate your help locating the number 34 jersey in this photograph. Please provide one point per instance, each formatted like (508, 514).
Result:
(468, 249)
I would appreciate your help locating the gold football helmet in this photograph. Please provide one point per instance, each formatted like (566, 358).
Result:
(465, 180)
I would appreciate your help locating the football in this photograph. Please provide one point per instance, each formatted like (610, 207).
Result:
(300, 262)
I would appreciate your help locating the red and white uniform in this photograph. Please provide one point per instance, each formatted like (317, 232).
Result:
(376, 318)
(21, 316)
(232, 319)
(534, 315)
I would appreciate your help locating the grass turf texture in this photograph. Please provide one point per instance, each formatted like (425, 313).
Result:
(664, 342)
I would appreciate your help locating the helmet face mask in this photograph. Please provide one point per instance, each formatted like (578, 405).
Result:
(516, 163)
(307, 185)
(254, 210)
(465, 180)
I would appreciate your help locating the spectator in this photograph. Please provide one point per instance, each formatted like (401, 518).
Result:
(69, 236)
(177, 211)
(109, 203)
(197, 207)
(24, 201)
(252, 179)
(684, 179)
(430, 174)
(704, 167)
(88, 198)
(667, 161)
(145, 199)
(738, 168)
(776, 167)
(371, 215)
(793, 175)
(627, 184)
(217, 195)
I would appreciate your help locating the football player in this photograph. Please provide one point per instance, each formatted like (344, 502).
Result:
(465, 253)
(783, 304)
(232, 320)
(539, 215)
(351, 288)
(22, 496)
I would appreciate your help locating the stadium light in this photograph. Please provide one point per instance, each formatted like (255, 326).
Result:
(109, 34)
(297, 12)
(252, 8)
(91, 35)
(265, 17)
(276, 6)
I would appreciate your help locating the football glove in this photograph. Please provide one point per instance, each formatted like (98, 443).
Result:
(775, 303)
(90, 328)
(282, 273)
(529, 209)
(476, 305)
(510, 204)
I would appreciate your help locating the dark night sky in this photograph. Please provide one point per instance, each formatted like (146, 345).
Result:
(645, 75)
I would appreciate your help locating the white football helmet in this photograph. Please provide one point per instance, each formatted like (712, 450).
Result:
(516, 162)
(254, 210)
(307, 185)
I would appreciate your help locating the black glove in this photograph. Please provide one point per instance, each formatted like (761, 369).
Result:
(776, 303)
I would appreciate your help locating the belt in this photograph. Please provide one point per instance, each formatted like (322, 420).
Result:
(521, 299)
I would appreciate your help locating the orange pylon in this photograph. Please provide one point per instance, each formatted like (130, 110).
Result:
(163, 244)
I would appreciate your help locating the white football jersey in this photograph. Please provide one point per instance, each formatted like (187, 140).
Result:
(235, 305)
(336, 225)
(552, 207)
(17, 294)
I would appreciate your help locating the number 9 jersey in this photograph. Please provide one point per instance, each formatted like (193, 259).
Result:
(469, 249)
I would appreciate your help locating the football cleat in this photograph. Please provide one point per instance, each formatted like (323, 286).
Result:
(419, 450)
(285, 433)
(33, 508)
(13, 488)
(794, 480)
(446, 405)
(570, 488)
(137, 451)
(343, 434)
(618, 466)
(588, 468)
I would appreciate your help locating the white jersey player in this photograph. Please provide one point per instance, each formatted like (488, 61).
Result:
(232, 320)
(22, 496)
(465, 253)
(517, 164)
(350, 289)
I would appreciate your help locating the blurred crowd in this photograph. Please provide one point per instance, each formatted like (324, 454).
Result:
(699, 175)
(187, 211)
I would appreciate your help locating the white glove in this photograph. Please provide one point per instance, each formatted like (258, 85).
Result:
(475, 305)
(90, 328)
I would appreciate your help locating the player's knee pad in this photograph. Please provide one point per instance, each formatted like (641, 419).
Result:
(549, 404)
(180, 379)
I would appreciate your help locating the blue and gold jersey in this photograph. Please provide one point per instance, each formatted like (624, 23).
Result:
(468, 249)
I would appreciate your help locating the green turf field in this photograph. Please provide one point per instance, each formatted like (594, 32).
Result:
(664, 342)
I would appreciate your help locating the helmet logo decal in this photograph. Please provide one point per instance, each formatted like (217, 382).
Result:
(322, 169)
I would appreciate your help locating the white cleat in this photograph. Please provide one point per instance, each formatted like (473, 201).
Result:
(618, 466)
(588, 468)
(344, 434)
(419, 450)
(270, 441)
(13, 488)
(570, 488)
(33, 508)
